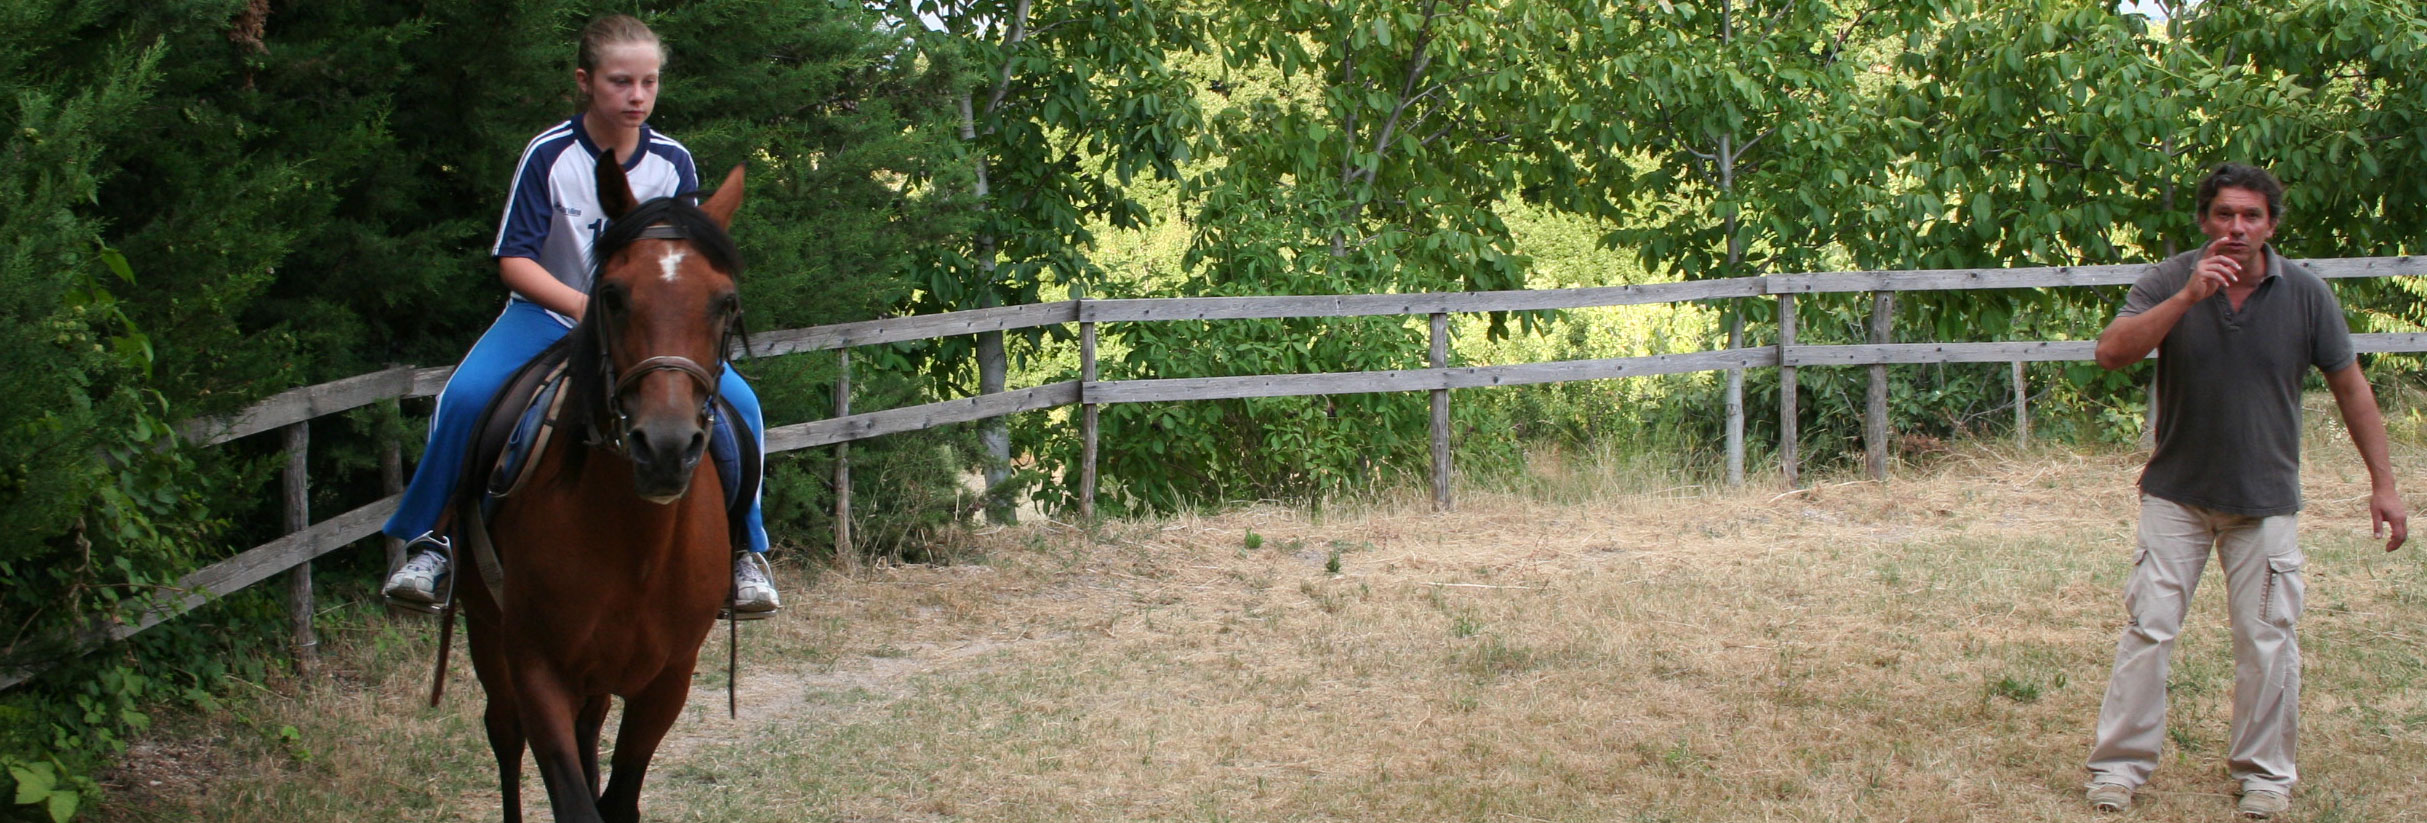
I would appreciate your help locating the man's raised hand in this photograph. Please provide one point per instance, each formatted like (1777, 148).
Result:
(2214, 272)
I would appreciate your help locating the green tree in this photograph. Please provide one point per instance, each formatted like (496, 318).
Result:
(1734, 139)
(1062, 104)
(1362, 147)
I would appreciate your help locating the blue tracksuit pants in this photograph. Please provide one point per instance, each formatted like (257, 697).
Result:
(519, 334)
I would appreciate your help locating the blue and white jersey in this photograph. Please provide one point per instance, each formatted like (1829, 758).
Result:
(553, 215)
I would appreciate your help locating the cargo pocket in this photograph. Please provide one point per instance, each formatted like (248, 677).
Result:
(2135, 583)
(2279, 603)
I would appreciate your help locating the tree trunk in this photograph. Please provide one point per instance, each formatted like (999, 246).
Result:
(995, 434)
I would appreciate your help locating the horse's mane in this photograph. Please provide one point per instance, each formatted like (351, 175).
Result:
(586, 382)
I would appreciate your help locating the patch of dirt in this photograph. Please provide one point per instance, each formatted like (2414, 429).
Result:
(784, 696)
(164, 772)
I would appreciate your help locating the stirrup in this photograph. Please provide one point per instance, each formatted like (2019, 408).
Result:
(446, 593)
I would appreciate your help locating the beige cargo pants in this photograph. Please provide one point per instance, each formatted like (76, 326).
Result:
(2263, 587)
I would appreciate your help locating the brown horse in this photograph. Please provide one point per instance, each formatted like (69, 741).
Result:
(612, 570)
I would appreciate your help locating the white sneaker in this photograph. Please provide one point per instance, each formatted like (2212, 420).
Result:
(2263, 805)
(417, 580)
(2110, 797)
(753, 593)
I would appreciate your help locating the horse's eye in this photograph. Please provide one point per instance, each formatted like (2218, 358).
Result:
(613, 299)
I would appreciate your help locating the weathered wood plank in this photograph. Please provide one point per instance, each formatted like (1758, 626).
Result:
(297, 405)
(914, 418)
(1362, 305)
(2053, 276)
(1868, 354)
(2392, 342)
(2334, 268)
(430, 381)
(1464, 377)
(1955, 279)
(1526, 374)
(915, 327)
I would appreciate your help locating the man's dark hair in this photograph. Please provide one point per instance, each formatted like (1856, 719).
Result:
(2240, 176)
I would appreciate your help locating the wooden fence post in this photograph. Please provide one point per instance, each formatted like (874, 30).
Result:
(298, 518)
(1786, 391)
(1087, 423)
(1735, 404)
(1440, 360)
(842, 461)
(1875, 412)
(2022, 407)
(391, 483)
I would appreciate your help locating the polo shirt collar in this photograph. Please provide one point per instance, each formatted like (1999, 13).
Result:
(591, 147)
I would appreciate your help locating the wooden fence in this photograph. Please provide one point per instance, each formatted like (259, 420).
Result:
(291, 412)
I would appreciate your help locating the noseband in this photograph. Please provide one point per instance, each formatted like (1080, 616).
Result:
(621, 429)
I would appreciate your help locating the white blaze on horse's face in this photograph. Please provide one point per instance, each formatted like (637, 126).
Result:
(672, 263)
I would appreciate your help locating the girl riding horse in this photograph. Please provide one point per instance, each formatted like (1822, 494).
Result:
(553, 217)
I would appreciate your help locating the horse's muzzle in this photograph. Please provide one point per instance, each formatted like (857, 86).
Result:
(664, 456)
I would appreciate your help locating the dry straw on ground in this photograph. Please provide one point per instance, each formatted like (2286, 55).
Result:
(1930, 648)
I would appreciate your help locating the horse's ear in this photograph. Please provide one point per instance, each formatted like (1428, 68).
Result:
(728, 197)
(614, 192)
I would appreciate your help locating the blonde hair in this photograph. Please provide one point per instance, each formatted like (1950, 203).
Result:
(613, 30)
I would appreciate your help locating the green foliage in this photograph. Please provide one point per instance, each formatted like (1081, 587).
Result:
(1736, 140)
(1062, 106)
(48, 787)
(1363, 147)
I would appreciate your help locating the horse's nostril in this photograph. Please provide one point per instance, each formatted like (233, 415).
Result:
(699, 443)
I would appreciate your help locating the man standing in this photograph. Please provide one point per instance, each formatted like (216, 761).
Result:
(2236, 327)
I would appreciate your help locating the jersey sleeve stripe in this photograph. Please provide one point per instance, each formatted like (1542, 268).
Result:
(525, 219)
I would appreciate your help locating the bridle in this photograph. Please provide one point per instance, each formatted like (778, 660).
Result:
(620, 428)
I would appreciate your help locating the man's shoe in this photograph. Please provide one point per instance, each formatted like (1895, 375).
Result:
(417, 581)
(753, 591)
(2110, 797)
(2264, 805)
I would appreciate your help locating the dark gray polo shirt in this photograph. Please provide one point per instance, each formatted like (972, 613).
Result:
(2229, 386)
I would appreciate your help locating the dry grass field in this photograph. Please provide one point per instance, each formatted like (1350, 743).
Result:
(1592, 647)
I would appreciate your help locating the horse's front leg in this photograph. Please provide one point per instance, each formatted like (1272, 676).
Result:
(585, 736)
(548, 707)
(647, 716)
(501, 718)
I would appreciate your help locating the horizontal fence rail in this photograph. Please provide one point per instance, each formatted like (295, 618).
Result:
(291, 410)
